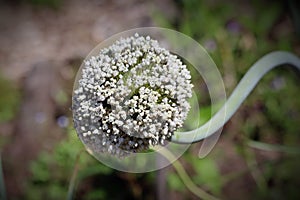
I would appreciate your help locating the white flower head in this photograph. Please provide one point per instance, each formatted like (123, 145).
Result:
(131, 96)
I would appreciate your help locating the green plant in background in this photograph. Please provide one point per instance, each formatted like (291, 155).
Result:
(206, 175)
(51, 171)
(9, 102)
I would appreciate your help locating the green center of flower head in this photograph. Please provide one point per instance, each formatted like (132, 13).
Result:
(131, 96)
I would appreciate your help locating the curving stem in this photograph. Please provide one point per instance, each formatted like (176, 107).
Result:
(240, 93)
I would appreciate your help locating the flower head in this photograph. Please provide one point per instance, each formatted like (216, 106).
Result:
(131, 96)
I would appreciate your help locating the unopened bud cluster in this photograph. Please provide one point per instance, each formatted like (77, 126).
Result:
(131, 96)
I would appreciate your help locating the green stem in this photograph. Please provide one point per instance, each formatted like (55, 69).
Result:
(255, 171)
(273, 147)
(243, 89)
(185, 177)
(72, 183)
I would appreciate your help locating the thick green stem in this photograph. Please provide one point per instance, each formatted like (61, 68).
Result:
(243, 89)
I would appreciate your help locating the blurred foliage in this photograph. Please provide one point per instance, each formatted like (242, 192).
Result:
(9, 100)
(207, 173)
(46, 3)
(284, 179)
(52, 170)
(51, 174)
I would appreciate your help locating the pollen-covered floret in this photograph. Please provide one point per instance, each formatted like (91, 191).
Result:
(131, 96)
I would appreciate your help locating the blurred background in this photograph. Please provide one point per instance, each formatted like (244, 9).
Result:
(42, 44)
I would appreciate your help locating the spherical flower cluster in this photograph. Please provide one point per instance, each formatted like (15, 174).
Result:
(131, 96)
